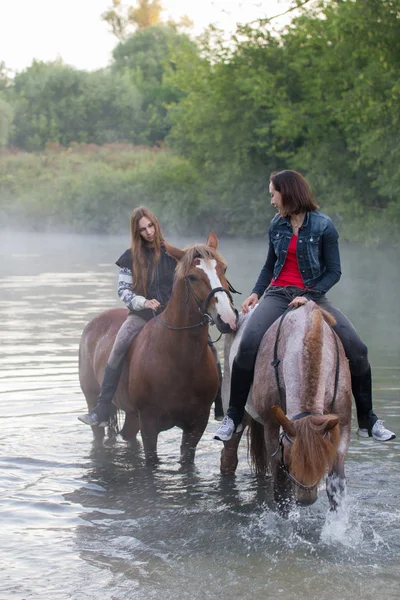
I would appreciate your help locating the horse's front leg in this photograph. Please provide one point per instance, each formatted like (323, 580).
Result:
(191, 435)
(131, 426)
(149, 431)
(336, 486)
(229, 454)
(282, 487)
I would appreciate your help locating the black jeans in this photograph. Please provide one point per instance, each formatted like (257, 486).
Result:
(273, 305)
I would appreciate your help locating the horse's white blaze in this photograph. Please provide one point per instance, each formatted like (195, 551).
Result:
(224, 307)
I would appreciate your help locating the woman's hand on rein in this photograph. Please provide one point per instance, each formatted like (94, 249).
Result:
(298, 301)
(249, 303)
(152, 304)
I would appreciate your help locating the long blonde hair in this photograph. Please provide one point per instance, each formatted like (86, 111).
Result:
(140, 259)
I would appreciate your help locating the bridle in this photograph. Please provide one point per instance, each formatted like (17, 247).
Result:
(281, 447)
(275, 363)
(206, 318)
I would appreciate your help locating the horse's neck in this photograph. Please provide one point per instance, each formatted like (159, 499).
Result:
(182, 311)
(307, 369)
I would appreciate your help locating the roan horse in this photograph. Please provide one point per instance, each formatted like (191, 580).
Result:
(170, 377)
(301, 370)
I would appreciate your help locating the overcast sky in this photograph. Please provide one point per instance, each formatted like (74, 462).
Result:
(74, 31)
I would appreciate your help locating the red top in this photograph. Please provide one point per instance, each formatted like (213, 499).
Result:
(290, 272)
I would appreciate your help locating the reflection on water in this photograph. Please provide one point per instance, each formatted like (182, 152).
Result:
(80, 521)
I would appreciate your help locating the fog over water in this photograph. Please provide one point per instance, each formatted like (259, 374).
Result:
(82, 523)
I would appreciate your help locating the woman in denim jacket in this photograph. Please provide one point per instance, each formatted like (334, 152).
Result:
(303, 262)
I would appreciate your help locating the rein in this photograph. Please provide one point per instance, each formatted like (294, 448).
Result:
(206, 317)
(275, 363)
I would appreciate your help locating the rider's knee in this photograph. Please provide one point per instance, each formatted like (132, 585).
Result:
(358, 360)
(246, 359)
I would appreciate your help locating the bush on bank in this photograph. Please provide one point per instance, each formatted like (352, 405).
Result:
(90, 188)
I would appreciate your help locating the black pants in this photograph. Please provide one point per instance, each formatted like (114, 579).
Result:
(273, 305)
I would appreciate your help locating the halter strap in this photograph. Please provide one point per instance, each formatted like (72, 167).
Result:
(212, 293)
(301, 415)
(207, 319)
(231, 288)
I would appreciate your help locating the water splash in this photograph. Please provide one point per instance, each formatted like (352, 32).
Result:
(340, 528)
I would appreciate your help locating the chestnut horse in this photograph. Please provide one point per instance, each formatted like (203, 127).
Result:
(301, 385)
(170, 377)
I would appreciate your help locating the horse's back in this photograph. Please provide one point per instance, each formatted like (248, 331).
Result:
(312, 363)
(286, 338)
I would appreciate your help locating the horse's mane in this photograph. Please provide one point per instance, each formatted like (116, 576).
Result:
(191, 253)
(312, 355)
(313, 454)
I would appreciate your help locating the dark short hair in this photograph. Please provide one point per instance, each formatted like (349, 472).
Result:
(297, 196)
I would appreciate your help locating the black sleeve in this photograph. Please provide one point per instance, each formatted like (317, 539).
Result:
(125, 260)
(265, 276)
(331, 258)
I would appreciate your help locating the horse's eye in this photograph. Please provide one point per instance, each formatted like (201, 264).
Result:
(192, 278)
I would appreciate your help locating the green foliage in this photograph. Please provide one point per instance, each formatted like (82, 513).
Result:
(6, 118)
(122, 18)
(225, 116)
(95, 188)
(321, 96)
(146, 57)
(56, 103)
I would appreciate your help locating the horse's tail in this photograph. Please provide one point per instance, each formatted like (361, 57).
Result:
(257, 450)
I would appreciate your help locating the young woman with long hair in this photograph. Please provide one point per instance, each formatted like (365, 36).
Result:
(144, 285)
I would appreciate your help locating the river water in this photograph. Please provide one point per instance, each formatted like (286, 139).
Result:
(82, 522)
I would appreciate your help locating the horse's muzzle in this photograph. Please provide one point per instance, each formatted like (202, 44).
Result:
(227, 327)
(306, 499)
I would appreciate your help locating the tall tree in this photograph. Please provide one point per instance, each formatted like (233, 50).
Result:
(123, 19)
(146, 57)
(57, 103)
(5, 76)
(6, 118)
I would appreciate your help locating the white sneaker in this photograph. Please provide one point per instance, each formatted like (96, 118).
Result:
(378, 432)
(226, 430)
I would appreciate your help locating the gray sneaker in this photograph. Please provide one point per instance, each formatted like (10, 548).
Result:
(226, 430)
(378, 432)
(93, 419)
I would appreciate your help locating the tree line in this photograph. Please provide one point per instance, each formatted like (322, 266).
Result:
(210, 118)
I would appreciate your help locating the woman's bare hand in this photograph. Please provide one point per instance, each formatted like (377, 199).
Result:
(298, 301)
(153, 304)
(249, 303)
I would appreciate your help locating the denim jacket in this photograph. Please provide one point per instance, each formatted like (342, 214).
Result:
(317, 253)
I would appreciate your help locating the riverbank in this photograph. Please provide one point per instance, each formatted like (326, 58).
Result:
(92, 189)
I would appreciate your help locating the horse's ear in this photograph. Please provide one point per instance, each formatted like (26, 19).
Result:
(283, 421)
(212, 240)
(331, 422)
(176, 253)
